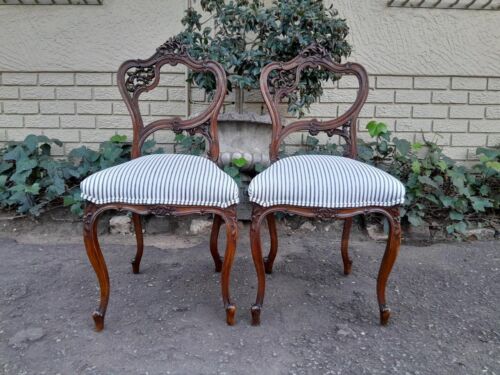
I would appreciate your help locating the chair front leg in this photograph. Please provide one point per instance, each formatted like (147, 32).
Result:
(231, 239)
(344, 247)
(214, 237)
(139, 237)
(390, 255)
(97, 260)
(269, 260)
(255, 243)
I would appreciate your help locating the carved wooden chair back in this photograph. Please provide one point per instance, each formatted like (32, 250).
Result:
(138, 76)
(279, 79)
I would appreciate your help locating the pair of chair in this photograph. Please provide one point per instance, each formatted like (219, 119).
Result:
(311, 186)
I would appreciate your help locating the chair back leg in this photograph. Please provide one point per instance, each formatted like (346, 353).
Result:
(214, 237)
(139, 237)
(344, 247)
(269, 260)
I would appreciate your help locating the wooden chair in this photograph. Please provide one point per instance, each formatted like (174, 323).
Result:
(164, 184)
(320, 186)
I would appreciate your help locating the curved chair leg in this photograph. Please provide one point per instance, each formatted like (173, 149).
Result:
(256, 246)
(391, 252)
(98, 263)
(269, 260)
(231, 238)
(136, 261)
(344, 247)
(214, 236)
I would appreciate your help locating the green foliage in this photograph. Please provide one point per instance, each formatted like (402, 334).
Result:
(437, 189)
(31, 179)
(189, 144)
(248, 35)
(313, 146)
(234, 169)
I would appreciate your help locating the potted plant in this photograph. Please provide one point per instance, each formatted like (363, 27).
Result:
(244, 36)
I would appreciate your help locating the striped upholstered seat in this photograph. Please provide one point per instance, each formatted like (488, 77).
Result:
(325, 181)
(170, 179)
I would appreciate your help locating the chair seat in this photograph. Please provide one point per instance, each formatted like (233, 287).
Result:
(170, 179)
(325, 181)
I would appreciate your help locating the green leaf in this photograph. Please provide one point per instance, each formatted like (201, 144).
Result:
(31, 142)
(375, 129)
(240, 162)
(403, 146)
(117, 138)
(415, 220)
(259, 167)
(417, 146)
(495, 165)
(480, 204)
(454, 215)
(32, 189)
(415, 166)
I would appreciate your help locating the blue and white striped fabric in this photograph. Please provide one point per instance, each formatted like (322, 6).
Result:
(171, 179)
(325, 181)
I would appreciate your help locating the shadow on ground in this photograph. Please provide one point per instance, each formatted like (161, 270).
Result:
(169, 319)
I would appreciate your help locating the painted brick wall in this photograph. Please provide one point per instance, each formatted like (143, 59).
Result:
(86, 108)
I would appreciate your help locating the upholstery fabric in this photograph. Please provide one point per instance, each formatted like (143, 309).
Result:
(325, 181)
(171, 179)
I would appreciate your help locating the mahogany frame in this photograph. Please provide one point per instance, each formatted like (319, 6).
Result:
(276, 81)
(134, 78)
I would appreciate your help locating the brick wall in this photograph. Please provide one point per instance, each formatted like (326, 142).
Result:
(87, 108)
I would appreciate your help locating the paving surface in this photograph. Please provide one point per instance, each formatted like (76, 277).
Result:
(169, 319)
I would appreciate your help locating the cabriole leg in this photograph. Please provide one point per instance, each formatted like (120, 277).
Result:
(214, 236)
(391, 252)
(98, 263)
(139, 237)
(269, 260)
(231, 239)
(256, 246)
(344, 247)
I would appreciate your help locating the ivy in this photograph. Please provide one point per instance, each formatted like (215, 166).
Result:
(32, 180)
(438, 190)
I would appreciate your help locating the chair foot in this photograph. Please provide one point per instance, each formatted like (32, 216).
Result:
(255, 310)
(218, 265)
(230, 315)
(348, 268)
(98, 320)
(268, 266)
(135, 266)
(136, 261)
(385, 314)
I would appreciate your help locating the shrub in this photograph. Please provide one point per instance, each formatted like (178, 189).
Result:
(248, 35)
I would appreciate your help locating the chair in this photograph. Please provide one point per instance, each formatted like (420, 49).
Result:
(320, 186)
(164, 184)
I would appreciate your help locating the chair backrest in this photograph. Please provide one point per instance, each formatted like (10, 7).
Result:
(279, 79)
(138, 76)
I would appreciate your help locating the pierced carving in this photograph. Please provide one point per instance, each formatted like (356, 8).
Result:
(139, 77)
(172, 47)
(162, 210)
(315, 50)
(326, 213)
(314, 127)
(90, 210)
